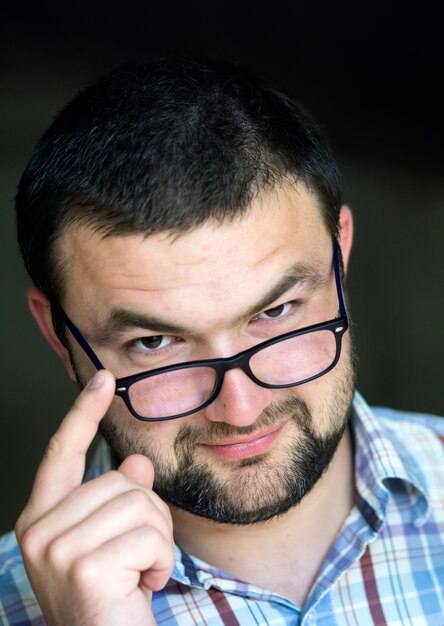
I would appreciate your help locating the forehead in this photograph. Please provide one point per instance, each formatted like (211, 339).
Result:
(216, 262)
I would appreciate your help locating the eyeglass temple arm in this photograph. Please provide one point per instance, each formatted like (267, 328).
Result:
(342, 310)
(82, 342)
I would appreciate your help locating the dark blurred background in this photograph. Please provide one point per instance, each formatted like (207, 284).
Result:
(372, 75)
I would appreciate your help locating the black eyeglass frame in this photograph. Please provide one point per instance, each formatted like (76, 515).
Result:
(337, 326)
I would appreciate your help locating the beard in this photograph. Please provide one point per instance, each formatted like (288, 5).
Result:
(257, 488)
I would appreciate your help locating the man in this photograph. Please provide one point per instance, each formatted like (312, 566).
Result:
(182, 225)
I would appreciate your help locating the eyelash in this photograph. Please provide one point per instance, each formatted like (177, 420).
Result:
(131, 346)
(280, 318)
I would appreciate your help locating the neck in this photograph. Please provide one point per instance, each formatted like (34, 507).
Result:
(285, 553)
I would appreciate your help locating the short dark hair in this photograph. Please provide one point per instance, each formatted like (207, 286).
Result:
(165, 146)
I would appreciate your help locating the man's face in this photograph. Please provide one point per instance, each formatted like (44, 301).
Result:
(254, 452)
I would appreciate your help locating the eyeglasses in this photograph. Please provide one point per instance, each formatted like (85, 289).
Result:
(181, 389)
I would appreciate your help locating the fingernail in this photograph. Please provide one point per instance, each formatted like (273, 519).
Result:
(96, 381)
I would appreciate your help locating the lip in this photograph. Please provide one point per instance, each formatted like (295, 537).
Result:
(243, 447)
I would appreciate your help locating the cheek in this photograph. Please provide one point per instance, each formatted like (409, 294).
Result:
(345, 370)
(155, 440)
(328, 398)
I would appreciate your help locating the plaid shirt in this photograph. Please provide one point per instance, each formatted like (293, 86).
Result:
(386, 567)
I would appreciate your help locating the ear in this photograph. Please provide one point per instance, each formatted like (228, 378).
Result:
(40, 308)
(345, 234)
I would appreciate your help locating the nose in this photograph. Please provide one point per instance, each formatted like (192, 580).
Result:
(240, 401)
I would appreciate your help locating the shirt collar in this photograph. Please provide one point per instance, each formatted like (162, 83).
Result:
(382, 466)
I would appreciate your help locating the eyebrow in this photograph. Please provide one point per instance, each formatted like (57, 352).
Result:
(297, 275)
(120, 319)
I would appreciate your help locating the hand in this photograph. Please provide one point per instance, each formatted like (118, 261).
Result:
(94, 552)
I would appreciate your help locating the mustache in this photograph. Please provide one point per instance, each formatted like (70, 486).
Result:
(211, 432)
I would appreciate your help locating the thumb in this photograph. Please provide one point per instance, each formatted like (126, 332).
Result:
(139, 469)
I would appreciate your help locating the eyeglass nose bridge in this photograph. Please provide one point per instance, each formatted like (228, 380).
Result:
(239, 361)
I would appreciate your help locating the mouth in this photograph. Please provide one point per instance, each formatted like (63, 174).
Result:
(238, 448)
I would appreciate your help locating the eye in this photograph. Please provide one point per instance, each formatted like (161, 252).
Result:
(151, 344)
(275, 312)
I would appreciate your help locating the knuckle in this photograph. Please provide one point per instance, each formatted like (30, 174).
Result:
(169, 518)
(171, 549)
(84, 573)
(168, 550)
(31, 543)
(112, 478)
(166, 544)
(20, 525)
(154, 540)
(166, 553)
(57, 553)
(54, 447)
(166, 512)
(140, 501)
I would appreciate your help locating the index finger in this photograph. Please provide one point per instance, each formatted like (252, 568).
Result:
(63, 465)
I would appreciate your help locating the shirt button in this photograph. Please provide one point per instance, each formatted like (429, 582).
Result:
(310, 618)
